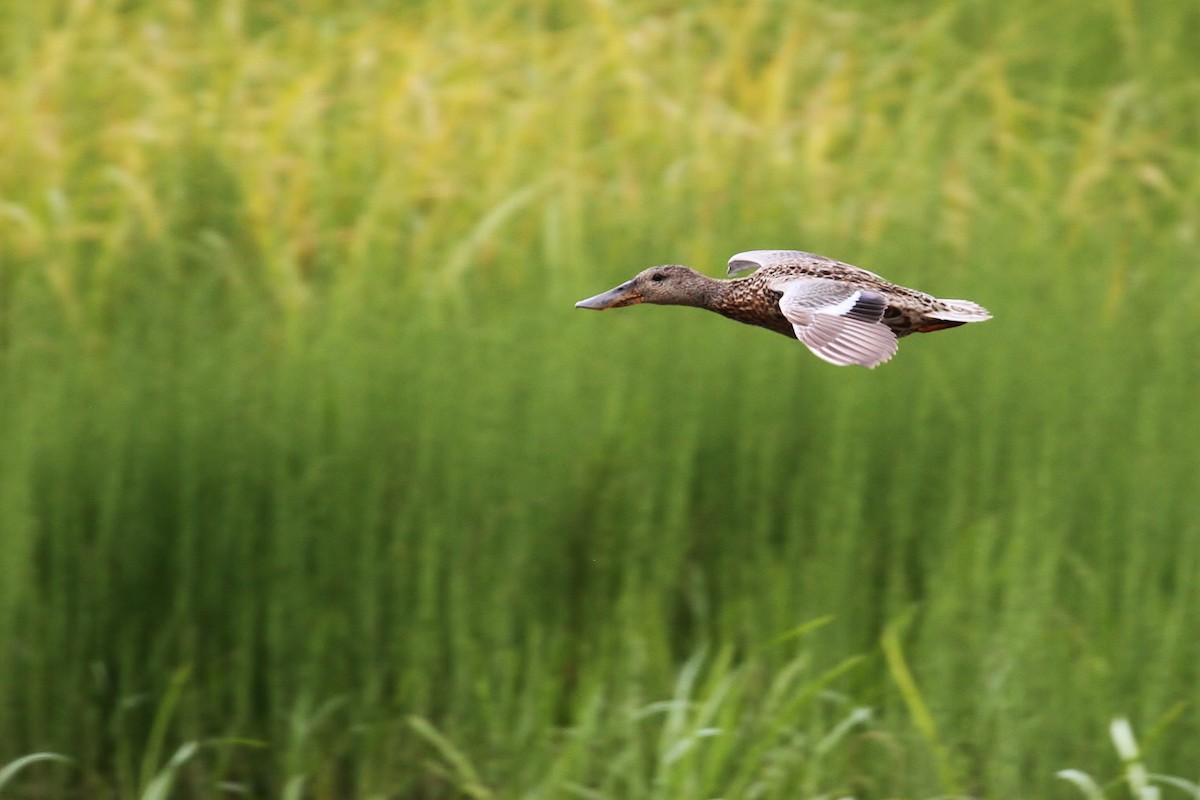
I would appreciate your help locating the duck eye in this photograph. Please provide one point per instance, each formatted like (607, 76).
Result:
(658, 277)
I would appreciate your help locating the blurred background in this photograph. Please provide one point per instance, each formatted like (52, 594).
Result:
(313, 483)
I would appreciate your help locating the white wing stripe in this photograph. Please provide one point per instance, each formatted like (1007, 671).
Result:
(845, 306)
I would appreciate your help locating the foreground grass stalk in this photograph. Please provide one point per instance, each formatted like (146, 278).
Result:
(461, 773)
(917, 709)
(10, 770)
(1141, 783)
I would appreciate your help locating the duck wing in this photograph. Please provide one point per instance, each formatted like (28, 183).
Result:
(839, 322)
(804, 262)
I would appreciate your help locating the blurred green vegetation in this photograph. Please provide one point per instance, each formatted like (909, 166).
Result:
(314, 485)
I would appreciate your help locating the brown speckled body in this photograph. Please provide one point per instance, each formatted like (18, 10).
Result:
(752, 301)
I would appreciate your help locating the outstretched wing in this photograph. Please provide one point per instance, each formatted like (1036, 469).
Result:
(762, 259)
(838, 321)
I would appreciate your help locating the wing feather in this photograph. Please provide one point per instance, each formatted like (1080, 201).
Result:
(763, 259)
(839, 322)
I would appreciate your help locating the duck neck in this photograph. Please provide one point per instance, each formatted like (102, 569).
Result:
(721, 296)
(705, 292)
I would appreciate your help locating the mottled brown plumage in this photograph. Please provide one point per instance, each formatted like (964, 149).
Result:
(844, 314)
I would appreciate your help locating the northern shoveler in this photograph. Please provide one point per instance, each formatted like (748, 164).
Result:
(844, 314)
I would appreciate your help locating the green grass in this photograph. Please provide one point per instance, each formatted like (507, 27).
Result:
(314, 485)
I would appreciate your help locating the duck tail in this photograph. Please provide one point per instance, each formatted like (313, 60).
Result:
(960, 311)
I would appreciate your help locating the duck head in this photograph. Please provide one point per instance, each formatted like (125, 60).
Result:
(668, 285)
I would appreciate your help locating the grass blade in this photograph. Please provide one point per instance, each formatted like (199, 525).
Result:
(1083, 782)
(465, 776)
(917, 709)
(10, 770)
